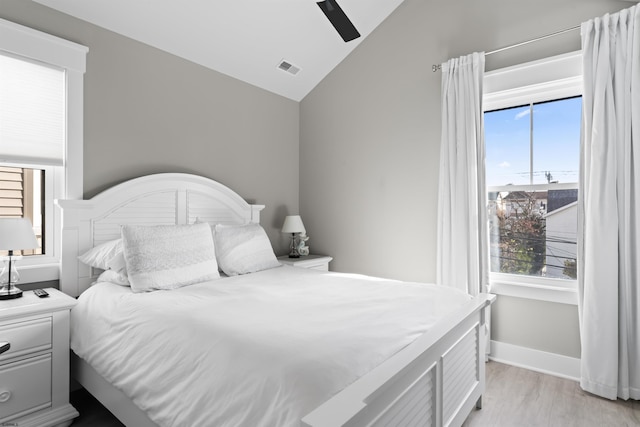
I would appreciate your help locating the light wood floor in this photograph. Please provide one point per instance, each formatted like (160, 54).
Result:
(514, 397)
(519, 398)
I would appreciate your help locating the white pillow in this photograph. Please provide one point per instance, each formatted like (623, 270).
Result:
(168, 256)
(112, 276)
(118, 263)
(242, 249)
(102, 255)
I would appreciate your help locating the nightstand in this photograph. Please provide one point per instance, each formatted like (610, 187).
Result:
(34, 371)
(313, 262)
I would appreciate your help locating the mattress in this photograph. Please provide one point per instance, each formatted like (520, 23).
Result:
(261, 349)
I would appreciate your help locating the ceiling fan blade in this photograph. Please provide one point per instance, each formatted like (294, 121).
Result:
(339, 20)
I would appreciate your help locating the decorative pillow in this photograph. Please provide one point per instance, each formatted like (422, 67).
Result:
(168, 256)
(101, 255)
(118, 263)
(242, 249)
(112, 276)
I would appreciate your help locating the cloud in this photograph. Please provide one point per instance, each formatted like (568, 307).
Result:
(522, 114)
(505, 165)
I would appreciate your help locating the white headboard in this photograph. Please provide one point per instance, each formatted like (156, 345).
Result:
(169, 198)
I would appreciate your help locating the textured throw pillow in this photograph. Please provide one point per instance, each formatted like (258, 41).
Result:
(102, 255)
(168, 256)
(242, 249)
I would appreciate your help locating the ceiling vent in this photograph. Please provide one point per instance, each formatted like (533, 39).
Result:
(288, 67)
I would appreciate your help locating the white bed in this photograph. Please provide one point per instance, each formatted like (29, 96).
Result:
(434, 379)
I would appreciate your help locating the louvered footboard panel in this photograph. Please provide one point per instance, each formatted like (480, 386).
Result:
(434, 382)
(460, 373)
(415, 407)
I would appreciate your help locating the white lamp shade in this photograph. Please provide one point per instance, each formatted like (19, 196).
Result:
(17, 234)
(293, 224)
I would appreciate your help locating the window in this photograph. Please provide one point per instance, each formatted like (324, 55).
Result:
(21, 195)
(41, 96)
(532, 159)
(532, 142)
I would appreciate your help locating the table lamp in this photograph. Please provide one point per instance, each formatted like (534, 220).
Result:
(15, 234)
(293, 224)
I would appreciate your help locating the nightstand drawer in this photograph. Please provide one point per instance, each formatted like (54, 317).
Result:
(311, 262)
(25, 386)
(321, 267)
(26, 337)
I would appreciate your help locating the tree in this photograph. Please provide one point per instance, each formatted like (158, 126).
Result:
(520, 243)
(570, 269)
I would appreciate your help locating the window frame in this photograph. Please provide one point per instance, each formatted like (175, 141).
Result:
(62, 182)
(544, 80)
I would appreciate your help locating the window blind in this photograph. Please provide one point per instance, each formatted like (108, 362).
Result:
(32, 112)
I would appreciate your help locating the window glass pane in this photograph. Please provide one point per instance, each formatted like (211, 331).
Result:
(517, 232)
(561, 233)
(21, 195)
(556, 140)
(507, 134)
(534, 233)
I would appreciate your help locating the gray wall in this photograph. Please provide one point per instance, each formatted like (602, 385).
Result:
(370, 135)
(147, 111)
(545, 326)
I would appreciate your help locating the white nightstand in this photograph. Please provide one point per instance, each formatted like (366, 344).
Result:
(313, 262)
(34, 371)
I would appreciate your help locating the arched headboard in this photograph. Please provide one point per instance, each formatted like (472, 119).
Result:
(159, 199)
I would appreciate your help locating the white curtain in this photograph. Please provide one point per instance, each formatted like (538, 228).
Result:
(609, 256)
(462, 226)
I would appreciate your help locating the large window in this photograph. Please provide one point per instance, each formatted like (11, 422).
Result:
(32, 123)
(532, 157)
(532, 125)
(41, 94)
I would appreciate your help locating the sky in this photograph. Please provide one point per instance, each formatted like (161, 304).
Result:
(556, 143)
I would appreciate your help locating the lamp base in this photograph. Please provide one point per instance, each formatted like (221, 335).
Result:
(293, 252)
(11, 293)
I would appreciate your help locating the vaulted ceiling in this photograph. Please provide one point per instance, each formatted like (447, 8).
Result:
(245, 39)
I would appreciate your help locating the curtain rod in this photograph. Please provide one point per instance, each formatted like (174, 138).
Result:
(435, 68)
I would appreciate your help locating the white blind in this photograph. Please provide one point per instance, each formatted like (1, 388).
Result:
(32, 112)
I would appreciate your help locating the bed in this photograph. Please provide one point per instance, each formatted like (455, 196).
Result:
(426, 375)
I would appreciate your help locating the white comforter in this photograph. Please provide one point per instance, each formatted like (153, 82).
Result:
(262, 349)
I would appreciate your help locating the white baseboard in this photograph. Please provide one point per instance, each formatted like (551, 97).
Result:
(536, 360)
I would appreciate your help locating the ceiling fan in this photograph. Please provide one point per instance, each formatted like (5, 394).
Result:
(339, 20)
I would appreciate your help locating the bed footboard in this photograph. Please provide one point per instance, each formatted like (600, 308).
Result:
(435, 381)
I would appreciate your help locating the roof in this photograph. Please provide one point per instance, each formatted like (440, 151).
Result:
(559, 198)
(526, 195)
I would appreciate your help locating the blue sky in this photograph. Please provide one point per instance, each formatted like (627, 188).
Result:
(556, 143)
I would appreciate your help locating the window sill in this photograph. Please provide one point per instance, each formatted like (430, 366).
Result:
(562, 295)
(38, 273)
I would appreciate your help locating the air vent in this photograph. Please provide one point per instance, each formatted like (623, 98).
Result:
(288, 67)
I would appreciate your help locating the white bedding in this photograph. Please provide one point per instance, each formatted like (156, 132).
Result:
(262, 349)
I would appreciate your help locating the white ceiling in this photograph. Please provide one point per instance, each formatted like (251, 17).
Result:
(245, 39)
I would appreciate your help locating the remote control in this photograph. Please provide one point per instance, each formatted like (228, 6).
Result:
(41, 293)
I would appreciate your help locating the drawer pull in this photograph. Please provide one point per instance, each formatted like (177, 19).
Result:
(4, 346)
(5, 396)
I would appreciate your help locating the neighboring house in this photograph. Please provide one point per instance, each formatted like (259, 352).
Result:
(20, 197)
(561, 233)
(514, 202)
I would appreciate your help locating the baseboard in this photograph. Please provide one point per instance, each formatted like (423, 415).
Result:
(536, 360)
